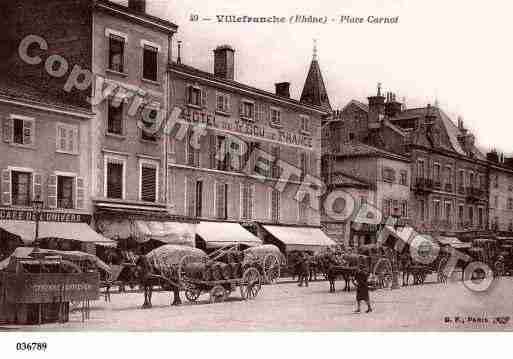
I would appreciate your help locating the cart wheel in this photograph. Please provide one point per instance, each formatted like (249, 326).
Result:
(251, 283)
(217, 294)
(271, 269)
(192, 294)
(442, 276)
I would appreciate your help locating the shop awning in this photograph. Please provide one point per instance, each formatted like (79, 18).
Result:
(453, 242)
(62, 230)
(220, 234)
(300, 238)
(167, 232)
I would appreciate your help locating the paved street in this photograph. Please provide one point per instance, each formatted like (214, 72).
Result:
(287, 307)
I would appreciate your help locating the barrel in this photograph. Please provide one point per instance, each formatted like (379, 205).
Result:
(196, 270)
(216, 271)
(226, 271)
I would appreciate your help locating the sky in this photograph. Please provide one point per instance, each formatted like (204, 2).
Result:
(455, 52)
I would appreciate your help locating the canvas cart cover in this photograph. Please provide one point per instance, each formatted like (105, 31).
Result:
(220, 234)
(26, 252)
(453, 242)
(167, 257)
(62, 230)
(262, 251)
(300, 238)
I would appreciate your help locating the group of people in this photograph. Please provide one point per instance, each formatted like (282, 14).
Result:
(361, 277)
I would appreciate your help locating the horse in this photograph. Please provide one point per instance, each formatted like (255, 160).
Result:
(149, 276)
(406, 263)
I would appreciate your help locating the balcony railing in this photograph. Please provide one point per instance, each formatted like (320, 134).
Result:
(474, 193)
(423, 185)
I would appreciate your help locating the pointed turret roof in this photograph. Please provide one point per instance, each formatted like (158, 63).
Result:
(314, 91)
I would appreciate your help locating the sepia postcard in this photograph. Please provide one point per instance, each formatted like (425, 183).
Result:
(239, 166)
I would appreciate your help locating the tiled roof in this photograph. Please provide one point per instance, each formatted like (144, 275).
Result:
(351, 149)
(314, 92)
(146, 16)
(210, 76)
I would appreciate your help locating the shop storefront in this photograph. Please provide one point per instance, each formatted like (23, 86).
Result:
(56, 230)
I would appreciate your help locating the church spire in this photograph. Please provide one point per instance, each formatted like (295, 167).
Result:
(314, 91)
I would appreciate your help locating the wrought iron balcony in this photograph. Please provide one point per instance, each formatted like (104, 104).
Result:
(423, 185)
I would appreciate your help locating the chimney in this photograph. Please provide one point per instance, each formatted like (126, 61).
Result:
(430, 117)
(224, 62)
(283, 89)
(493, 156)
(392, 106)
(376, 109)
(137, 5)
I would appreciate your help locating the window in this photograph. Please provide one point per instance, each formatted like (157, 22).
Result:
(471, 179)
(303, 164)
(448, 212)
(196, 96)
(275, 205)
(386, 208)
(510, 188)
(275, 117)
(247, 201)
(448, 175)
(221, 200)
(404, 209)
(420, 169)
(222, 154)
(422, 208)
(437, 209)
(21, 185)
(436, 172)
(247, 110)
(199, 198)
(388, 175)
(65, 192)
(496, 181)
(461, 213)
(461, 178)
(305, 124)
(192, 148)
(150, 56)
(480, 216)
(116, 52)
(67, 138)
(510, 203)
(471, 215)
(275, 168)
(496, 201)
(115, 180)
(148, 182)
(351, 136)
(148, 133)
(404, 178)
(223, 102)
(22, 130)
(115, 118)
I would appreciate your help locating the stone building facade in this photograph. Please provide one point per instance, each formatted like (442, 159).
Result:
(501, 193)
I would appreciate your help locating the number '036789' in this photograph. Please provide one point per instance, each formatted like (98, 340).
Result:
(34, 346)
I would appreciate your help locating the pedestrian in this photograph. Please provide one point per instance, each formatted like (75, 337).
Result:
(362, 288)
(304, 270)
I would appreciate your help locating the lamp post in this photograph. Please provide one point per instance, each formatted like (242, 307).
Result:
(37, 206)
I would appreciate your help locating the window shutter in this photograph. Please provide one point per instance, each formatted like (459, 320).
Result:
(220, 194)
(76, 146)
(6, 187)
(241, 109)
(213, 149)
(188, 97)
(79, 187)
(36, 191)
(7, 129)
(191, 197)
(52, 191)
(226, 99)
(28, 132)
(251, 197)
(204, 99)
